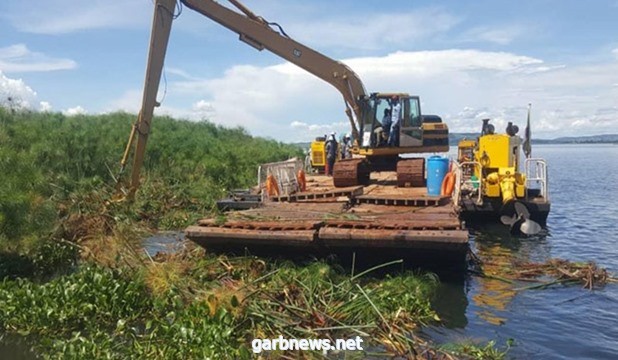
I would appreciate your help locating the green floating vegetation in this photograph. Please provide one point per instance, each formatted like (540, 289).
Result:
(472, 350)
(100, 312)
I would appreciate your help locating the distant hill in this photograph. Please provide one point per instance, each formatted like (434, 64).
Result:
(454, 139)
(593, 139)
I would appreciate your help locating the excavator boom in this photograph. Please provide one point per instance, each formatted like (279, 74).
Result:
(258, 33)
(159, 37)
(361, 108)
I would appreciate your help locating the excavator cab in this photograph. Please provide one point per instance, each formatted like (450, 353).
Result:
(415, 132)
(376, 125)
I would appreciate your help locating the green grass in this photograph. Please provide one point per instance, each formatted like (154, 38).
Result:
(52, 166)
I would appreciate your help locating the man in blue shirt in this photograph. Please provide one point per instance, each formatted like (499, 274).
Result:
(393, 137)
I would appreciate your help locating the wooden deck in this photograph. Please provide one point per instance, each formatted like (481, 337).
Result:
(379, 215)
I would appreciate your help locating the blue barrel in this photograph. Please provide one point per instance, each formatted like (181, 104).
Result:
(437, 167)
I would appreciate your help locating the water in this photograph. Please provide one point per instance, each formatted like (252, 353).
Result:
(15, 347)
(164, 242)
(559, 322)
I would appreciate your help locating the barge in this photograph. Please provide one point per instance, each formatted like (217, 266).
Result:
(387, 214)
(372, 223)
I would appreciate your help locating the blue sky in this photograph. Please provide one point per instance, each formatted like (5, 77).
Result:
(467, 60)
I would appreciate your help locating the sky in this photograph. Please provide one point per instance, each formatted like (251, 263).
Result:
(467, 60)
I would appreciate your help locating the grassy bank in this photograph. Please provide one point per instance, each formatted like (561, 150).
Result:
(54, 167)
(77, 283)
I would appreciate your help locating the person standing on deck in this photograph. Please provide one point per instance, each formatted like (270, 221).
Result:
(331, 153)
(393, 137)
(346, 147)
(386, 126)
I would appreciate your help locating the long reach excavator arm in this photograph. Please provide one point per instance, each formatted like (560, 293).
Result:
(380, 144)
(256, 32)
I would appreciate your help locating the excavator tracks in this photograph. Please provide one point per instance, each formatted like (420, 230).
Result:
(411, 172)
(351, 172)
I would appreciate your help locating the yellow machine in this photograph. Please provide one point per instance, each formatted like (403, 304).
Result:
(493, 177)
(498, 156)
(317, 149)
(318, 155)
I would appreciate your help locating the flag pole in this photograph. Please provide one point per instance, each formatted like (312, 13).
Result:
(528, 135)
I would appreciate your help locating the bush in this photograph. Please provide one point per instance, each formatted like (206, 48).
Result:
(55, 168)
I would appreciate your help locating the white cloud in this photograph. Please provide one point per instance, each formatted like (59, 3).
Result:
(463, 86)
(45, 106)
(615, 52)
(339, 128)
(15, 93)
(179, 72)
(18, 58)
(203, 110)
(130, 102)
(359, 32)
(426, 64)
(77, 110)
(65, 16)
(503, 35)
(285, 102)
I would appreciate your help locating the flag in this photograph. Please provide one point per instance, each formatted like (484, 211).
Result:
(527, 137)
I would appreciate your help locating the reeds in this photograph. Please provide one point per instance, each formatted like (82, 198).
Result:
(589, 275)
(545, 274)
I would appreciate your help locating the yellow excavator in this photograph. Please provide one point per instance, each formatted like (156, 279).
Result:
(416, 133)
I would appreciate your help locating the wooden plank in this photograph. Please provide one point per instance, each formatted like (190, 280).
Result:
(261, 225)
(382, 212)
(446, 239)
(425, 224)
(204, 235)
(312, 195)
(401, 200)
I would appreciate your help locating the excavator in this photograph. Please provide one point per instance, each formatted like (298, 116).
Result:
(417, 133)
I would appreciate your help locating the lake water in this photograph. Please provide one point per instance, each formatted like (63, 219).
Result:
(558, 322)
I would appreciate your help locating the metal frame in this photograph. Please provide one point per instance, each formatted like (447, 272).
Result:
(539, 166)
(460, 181)
(285, 174)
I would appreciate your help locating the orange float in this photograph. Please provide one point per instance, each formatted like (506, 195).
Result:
(272, 189)
(448, 184)
(302, 180)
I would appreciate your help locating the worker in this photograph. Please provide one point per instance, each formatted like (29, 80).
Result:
(331, 153)
(346, 147)
(386, 125)
(393, 137)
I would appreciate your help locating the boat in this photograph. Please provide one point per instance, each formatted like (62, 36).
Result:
(495, 182)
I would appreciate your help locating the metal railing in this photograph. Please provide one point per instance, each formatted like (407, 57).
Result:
(536, 172)
(284, 173)
(462, 181)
